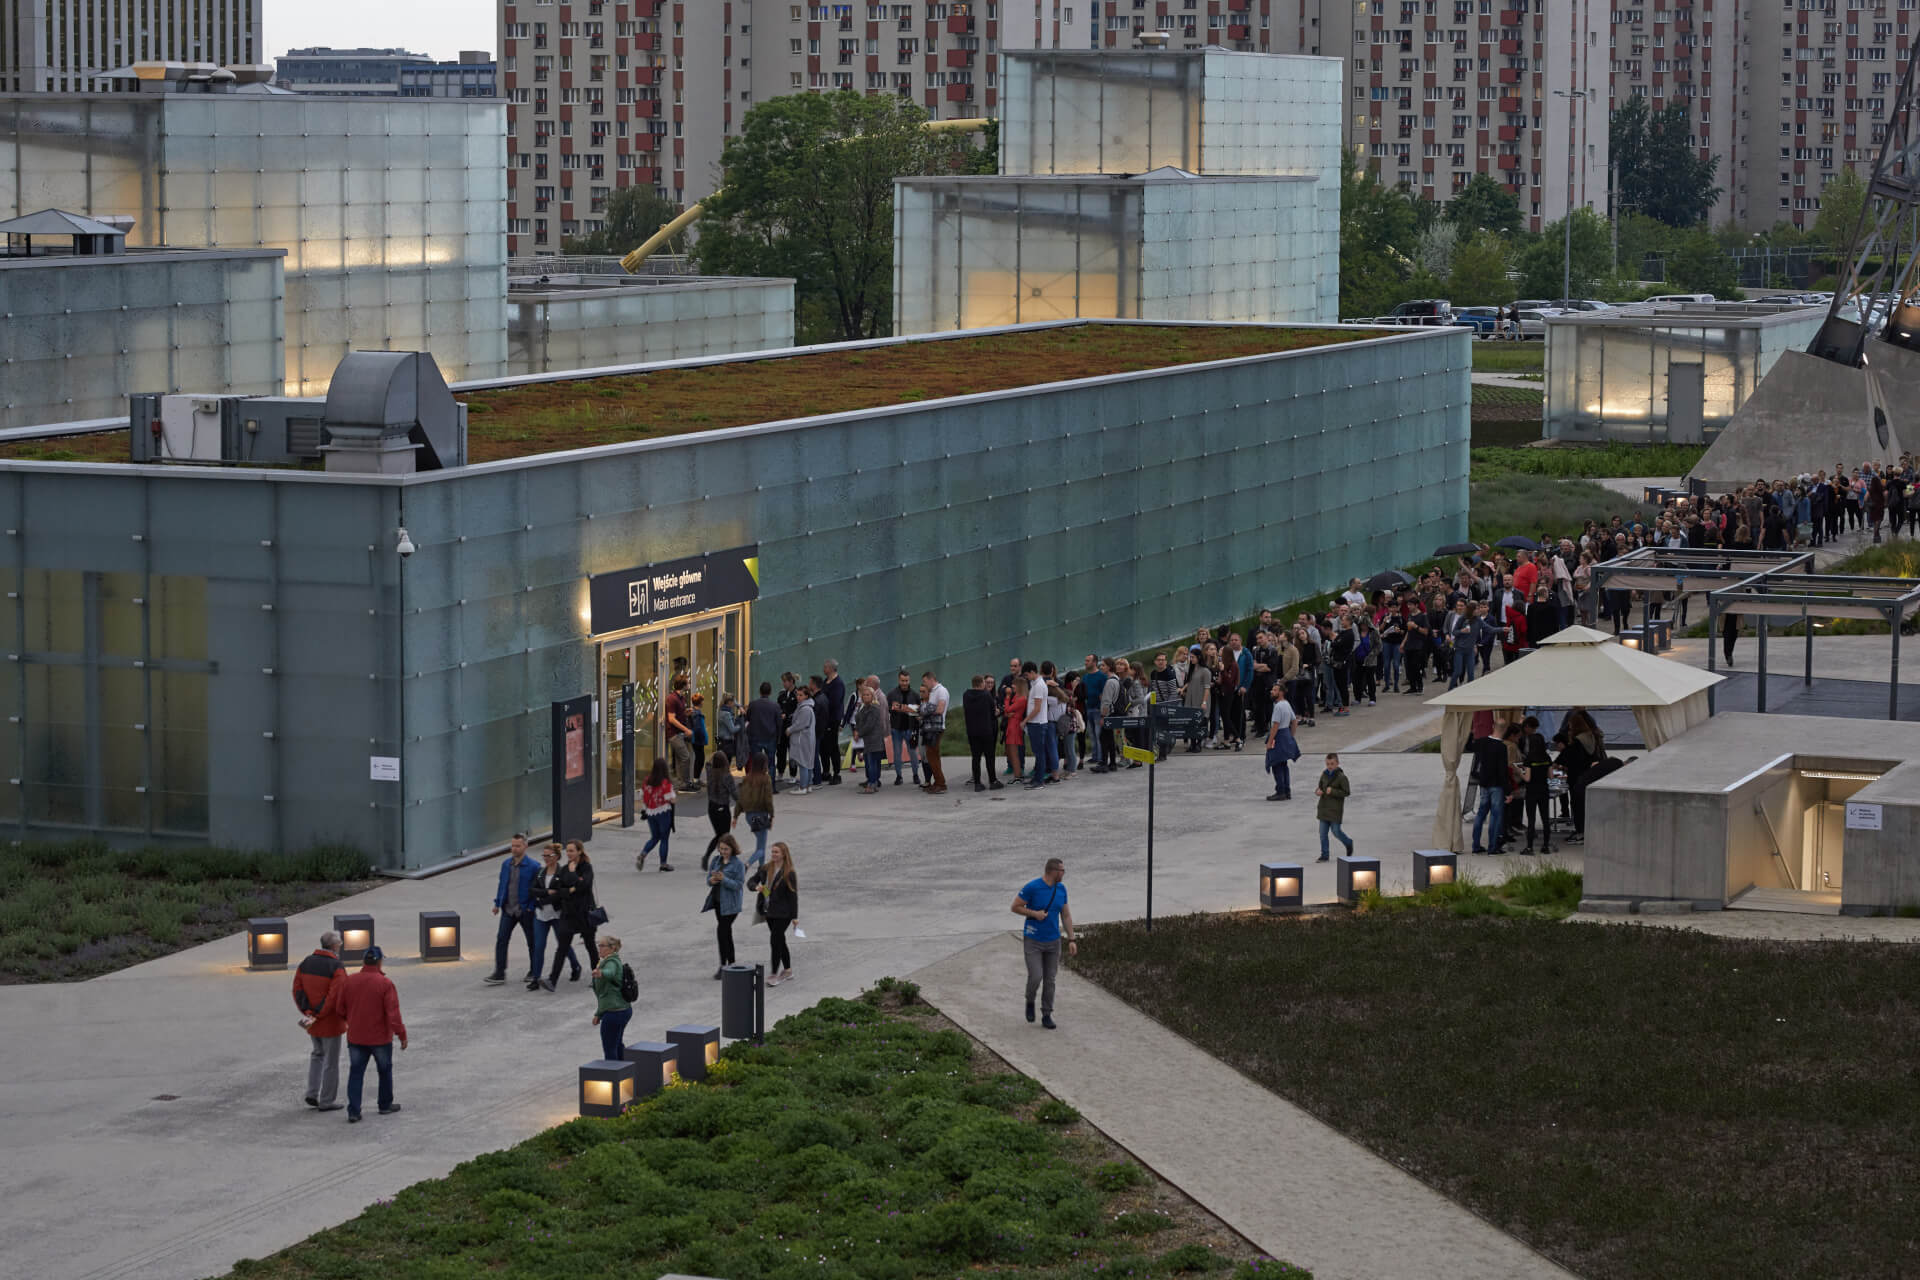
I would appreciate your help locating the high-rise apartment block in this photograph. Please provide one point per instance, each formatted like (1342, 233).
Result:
(1193, 24)
(605, 94)
(76, 46)
(1694, 53)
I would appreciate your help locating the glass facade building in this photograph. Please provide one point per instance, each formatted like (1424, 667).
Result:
(975, 252)
(1657, 373)
(391, 211)
(82, 332)
(229, 654)
(585, 322)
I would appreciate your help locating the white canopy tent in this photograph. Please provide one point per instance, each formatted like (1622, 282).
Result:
(1577, 667)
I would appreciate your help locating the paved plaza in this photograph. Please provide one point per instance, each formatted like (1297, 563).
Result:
(153, 1117)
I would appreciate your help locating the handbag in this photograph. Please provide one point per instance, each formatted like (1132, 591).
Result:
(758, 821)
(597, 915)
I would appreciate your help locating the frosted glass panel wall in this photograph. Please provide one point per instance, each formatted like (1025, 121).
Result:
(591, 327)
(975, 252)
(391, 210)
(82, 333)
(1612, 377)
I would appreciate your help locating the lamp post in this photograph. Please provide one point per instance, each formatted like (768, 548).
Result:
(1566, 223)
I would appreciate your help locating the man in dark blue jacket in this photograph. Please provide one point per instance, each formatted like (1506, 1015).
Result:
(513, 903)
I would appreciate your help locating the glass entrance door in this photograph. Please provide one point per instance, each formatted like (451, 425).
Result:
(638, 661)
(705, 652)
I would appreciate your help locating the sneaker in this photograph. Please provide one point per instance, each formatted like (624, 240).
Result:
(718, 972)
(312, 1101)
(833, 781)
(640, 863)
(495, 979)
(533, 984)
(549, 983)
(1029, 1011)
(978, 786)
(996, 785)
(1046, 1020)
(665, 867)
(352, 1118)
(1322, 858)
(575, 976)
(387, 1111)
(896, 779)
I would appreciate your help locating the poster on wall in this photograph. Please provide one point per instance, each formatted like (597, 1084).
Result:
(572, 768)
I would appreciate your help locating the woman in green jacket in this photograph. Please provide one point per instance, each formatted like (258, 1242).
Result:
(611, 1012)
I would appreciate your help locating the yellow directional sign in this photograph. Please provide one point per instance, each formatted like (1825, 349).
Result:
(1135, 753)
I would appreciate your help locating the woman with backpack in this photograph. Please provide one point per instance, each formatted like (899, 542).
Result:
(779, 891)
(727, 879)
(656, 798)
(612, 1008)
(755, 804)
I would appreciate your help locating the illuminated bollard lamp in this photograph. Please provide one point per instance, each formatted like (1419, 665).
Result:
(699, 1048)
(1434, 866)
(1282, 886)
(657, 1063)
(606, 1087)
(267, 942)
(439, 935)
(1354, 876)
(356, 935)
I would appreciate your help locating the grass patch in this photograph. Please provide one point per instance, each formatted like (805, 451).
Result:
(79, 909)
(857, 1142)
(1509, 357)
(1496, 404)
(1550, 892)
(1542, 507)
(1588, 462)
(1888, 560)
(1629, 1101)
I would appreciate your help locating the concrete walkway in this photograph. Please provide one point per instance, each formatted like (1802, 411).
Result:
(1296, 1188)
(152, 1118)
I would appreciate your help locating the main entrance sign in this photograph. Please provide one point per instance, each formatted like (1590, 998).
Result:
(653, 593)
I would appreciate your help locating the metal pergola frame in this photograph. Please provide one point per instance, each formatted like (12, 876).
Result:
(1773, 593)
(1692, 570)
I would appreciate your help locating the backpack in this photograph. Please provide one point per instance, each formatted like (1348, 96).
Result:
(629, 983)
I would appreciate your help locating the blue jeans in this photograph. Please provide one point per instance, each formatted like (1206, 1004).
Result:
(1333, 828)
(522, 922)
(357, 1055)
(759, 837)
(1046, 750)
(1492, 800)
(1462, 664)
(904, 750)
(1390, 664)
(806, 775)
(1093, 737)
(660, 831)
(613, 1027)
(542, 929)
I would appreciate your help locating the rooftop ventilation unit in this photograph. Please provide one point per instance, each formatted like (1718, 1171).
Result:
(386, 413)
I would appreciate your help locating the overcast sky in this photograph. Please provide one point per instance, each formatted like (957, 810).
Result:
(438, 27)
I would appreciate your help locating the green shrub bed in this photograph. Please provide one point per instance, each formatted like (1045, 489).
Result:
(859, 1141)
(79, 909)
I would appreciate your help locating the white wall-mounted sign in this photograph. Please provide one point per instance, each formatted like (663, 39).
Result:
(1863, 817)
(384, 768)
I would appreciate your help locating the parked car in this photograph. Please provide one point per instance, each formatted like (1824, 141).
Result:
(1415, 312)
(1482, 320)
(1533, 321)
(1668, 298)
(1583, 304)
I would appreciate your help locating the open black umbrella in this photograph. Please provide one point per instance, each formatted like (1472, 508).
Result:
(1518, 543)
(1456, 549)
(1389, 580)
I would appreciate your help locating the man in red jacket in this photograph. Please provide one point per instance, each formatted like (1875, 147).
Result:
(372, 1010)
(316, 986)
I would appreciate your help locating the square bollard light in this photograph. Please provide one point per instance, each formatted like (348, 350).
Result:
(439, 935)
(606, 1087)
(267, 942)
(1434, 866)
(699, 1048)
(1354, 876)
(1282, 886)
(658, 1064)
(1632, 638)
(1657, 635)
(356, 935)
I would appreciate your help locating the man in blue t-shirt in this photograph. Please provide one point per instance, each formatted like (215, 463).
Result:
(1044, 904)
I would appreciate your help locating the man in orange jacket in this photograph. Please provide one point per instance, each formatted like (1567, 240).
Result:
(372, 1010)
(316, 985)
